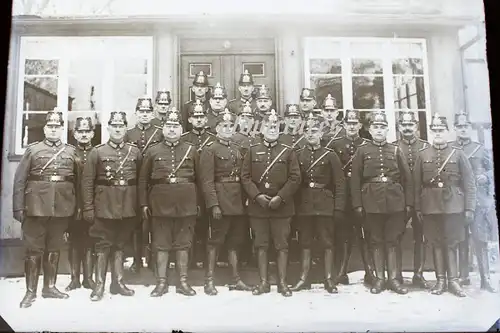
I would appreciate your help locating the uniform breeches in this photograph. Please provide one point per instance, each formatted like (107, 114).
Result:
(385, 228)
(444, 229)
(418, 230)
(79, 234)
(44, 233)
(173, 233)
(320, 226)
(266, 228)
(482, 229)
(345, 229)
(230, 230)
(112, 233)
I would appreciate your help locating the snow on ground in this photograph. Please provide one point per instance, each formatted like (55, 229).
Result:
(353, 309)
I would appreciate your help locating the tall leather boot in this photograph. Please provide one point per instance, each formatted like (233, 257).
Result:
(452, 270)
(399, 262)
(88, 269)
(418, 266)
(304, 283)
(263, 263)
(366, 258)
(50, 267)
(101, 268)
(463, 259)
(161, 268)
(232, 257)
(440, 269)
(117, 286)
(379, 263)
(329, 281)
(484, 266)
(392, 271)
(137, 244)
(74, 255)
(182, 263)
(342, 277)
(209, 271)
(32, 273)
(282, 266)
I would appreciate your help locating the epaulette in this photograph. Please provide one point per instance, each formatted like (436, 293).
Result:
(255, 144)
(185, 133)
(210, 133)
(153, 144)
(189, 143)
(424, 148)
(234, 99)
(32, 144)
(131, 144)
(329, 149)
(70, 145)
(158, 127)
(101, 145)
(286, 146)
(338, 138)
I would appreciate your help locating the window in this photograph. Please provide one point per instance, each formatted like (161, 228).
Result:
(196, 68)
(370, 74)
(91, 77)
(256, 69)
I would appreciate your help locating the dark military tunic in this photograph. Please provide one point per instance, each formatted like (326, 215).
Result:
(198, 138)
(236, 105)
(331, 133)
(46, 189)
(187, 110)
(213, 117)
(158, 122)
(144, 136)
(296, 141)
(245, 140)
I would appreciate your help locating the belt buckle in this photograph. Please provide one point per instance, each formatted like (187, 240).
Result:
(311, 184)
(267, 185)
(173, 180)
(53, 178)
(349, 174)
(440, 184)
(121, 182)
(237, 179)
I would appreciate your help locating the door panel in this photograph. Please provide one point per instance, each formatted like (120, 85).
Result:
(190, 65)
(260, 66)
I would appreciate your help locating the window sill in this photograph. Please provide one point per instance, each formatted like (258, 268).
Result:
(14, 157)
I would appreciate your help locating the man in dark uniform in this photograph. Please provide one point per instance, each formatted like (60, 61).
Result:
(81, 249)
(270, 176)
(144, 134)
(346, 148)
(382, 194)
(320, 204)
(218, 103)
(307, 101)
(200, 90)
(245, 135)
(221, 172)
(444, 190)
(44, 199)
(410, 145)
(162, 106)
(246, 88)
(170, 167)
(482, 226)
(109, 190)
(333, 128)
(264, 104)
(292, 134)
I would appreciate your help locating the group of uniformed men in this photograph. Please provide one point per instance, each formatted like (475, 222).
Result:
(315, 175)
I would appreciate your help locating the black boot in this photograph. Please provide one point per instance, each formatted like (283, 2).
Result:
(50, 268)
(74, 256)
(483, 264)
(137, 244)
(182, 263)
(463, 260)
(329, 282)
(366, 257)
(232, 257)
(117, 286)
(440, 268)
(392, 270)
(101, 268)
(32, 273)
(452, 270)
(343, 278)
(303, 283)
(379, 263)
(88, 269)
(209, 271)
(418, 265)
(399, 263)
(161, 268)
(282, 266)
(263, 264)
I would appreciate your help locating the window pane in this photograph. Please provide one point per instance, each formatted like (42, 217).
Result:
(41, 67)
(409, 92)
(368, 92)
(408, 66)
(367, 66)
(131, 66)
(86, 65)
(256, 69)
(40, 93)
(126, 92)
(328, 85)
(85, 92)
(32, 128)
(95, 116)
(325, 66)
(405, 49)
(196, 68)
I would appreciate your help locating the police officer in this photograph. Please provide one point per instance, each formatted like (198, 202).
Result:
(346, 148)
(81, 249)
(270, 176)
(109, 189)
(200, 91)
(143, 134)
(162, 106)
(410, 145)
(482, 225)
(293, 135)
(382, 194)
(444, 190)
(245, 135)
(221, 172)
(333, 128)
(44, 201)
(307, 101)
(264, 104)
(246, 89)
(167, 192)
(321, 203)
(218, 103)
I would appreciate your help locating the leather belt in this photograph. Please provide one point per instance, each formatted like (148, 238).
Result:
(314, 185)
(380, 179)
(227, 179)
(54, 178)
(172, 180)
(440, 184)
(116, 182)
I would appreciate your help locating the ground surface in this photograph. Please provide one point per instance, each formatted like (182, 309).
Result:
(353, 309)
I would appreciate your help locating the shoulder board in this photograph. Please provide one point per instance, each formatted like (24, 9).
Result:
(188, 143)
(153, 144)
(287, 146)
(422, 140)
(158, 127)
(232, 142)
(364, 142)
(424, 148)
(338, 138)
(100, 145)
(209, 144)
(188, 102)
(329, 149)
(234, 99)
(255, 144)
(131, 144)
(32, 144)
(184, 134)
(70, 145)
(210, 133)
(456, 147)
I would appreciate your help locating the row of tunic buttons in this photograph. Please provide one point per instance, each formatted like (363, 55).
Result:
(266, 184)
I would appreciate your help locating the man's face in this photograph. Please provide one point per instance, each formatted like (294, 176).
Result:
(330, 114)
(264, 104)
(83, 136)
(293, 121)
(379, 132)
(218, 104)
(245, 121)
(53, 132)
(313, 136)
(162, 109)
(246, 91)
(463, 131)
(198, 121)
(440, 136)
(225, 130)
(144, 116)
(352, 129)
(271, 132)
(408, 130)
(172, 132)
(307, 105)
(117, 132)
(199, 91)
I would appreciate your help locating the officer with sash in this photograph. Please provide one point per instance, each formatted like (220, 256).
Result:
(167, 193)
(382, 194)
(320, 204)
(307, 101)
(218, 103)
(410, 145)
(246, 89)
(144, 134)
(200, 90)
(346, 230)
(109, 189)
(445, 189)
(333, 128)
(162, 106)
(293, 135)
(81, 249)
(45, 198)
(271, 176)
(483, 225)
